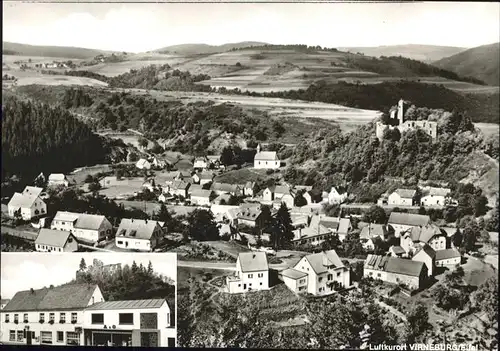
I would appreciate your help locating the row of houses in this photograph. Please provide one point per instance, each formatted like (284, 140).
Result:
(431, 196)
(78, 315)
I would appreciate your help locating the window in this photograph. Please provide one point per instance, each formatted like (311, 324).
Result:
(74, 317)
(16, 318)
(46, 337)
(126, 318)
(52, 317)
(62, 317)
(260, 275)
(42, 317)
(330, 276)
(25, 318)
(97, 318)
(119, 242)
(60, 336)
(12, 335)
(379, 275)
(302, 281)
(250, 276)
(338, 274)
(320, 279)
(20, 335)
(72, 338)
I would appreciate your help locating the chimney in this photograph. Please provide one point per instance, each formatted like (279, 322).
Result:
(253, 256)
(32, 290)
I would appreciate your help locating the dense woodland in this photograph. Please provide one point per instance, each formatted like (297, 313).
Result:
(37, 137)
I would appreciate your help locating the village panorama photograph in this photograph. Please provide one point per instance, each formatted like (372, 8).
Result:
(327, 174)
(89, 299)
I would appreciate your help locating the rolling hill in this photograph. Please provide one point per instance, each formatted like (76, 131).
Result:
(424, 53)
(17, 49)
(205, 48)
(481, 62)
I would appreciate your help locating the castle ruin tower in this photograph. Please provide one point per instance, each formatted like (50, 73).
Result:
(400, 111)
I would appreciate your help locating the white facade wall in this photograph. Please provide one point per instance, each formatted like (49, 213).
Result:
(438, 243)
(399, 228)
(433, 200)
(200, 200)
(69, 247)
(266, 164)
(39, 208)
(449, 262)
(267, 195)
(422, 256)
(63, 225)
(258, 280)
(296, 285)
(395, 199)
(317, 286)
(135, 244)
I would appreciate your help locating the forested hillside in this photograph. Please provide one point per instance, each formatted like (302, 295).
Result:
(360, 159)
(37, 137)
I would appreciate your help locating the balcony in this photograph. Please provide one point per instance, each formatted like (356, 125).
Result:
(232, 279)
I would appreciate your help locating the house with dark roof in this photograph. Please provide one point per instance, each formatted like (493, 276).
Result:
(402, 197)
(429, 234)
(426, 254)
(51, 240)
(87, 228)
(27, 205)
(54, 315)
(448, 257)
(3, 303)
(138, 234)
(136, 323)
(401, 222)
(412, 274)
(200, 163)
(324, 273)
(252, 273)
(249, 216)
(201, 197)
(226, 188)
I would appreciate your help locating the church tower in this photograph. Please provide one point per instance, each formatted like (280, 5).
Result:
(400, 111)
(258, 148)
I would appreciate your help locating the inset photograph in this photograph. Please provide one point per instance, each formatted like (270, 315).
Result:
(88, 299)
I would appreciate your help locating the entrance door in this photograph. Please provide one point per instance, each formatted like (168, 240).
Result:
(149, 339)
(244, 286)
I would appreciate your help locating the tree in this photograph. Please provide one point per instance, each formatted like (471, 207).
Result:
(282, 233)
(486, 297)
(201, 225)
(93, 187)
(417, 321)
(143, 142)
(83, 265)
(299, 199)
(470, 229)
(375, 214)
(226, 156)
(457, 238)
(119, 173)
(150, 269)
(89, 179)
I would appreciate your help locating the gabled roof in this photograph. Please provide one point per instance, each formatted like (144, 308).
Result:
(57, 177)
(66, 297)
(213, 157)
(206, 175)
(52, 237)
(424, 234)
(89, 221)
(281, 189)
(179, 184)
(136, 228)
(32, 190)
(19, 200)
(249, 214)
(373, 230)
(409, 219)
(195, 187)
(293, 273)
(221, 197)
(394, 265)
(201, 193)
(249, 185)
(397, 249)
(321, 260)
(253, 261)
(266, 156)
(406, 193)
(200, 159)
(437, 191)
(427, 249)
(66, 216)
(447, 254)
(225, 187)
(309, 232)
(127, 304)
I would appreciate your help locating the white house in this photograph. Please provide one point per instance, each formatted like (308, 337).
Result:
(51, 240)
(53, 315)
(88, 228)
(333, 197)
(57, 179)
(325, 274)
(179, 188)
(435, 197)
(136, 323)
(429, 234)
(204, 177)
(214, 161)
(27, 205)
(138, 234)
(201, 197)
(401, 222)
(226, 188)
(143, 164)
(252, 273)
(402, 197)
(248, 189)
(395, 270)
(266, 159)
(200, 163)
(426, 255)
(448, 257)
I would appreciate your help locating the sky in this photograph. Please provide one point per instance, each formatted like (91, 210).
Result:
(23, 271)
(139, 27)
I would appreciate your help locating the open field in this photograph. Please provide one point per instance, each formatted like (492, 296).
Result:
(123, 188)
(78, 175)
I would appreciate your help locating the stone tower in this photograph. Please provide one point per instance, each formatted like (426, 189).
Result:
(401, 111)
